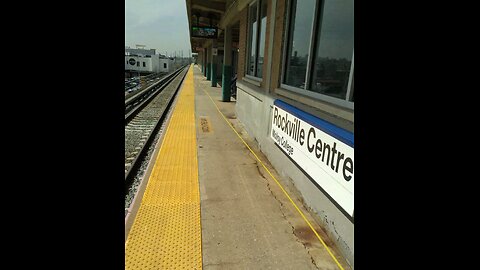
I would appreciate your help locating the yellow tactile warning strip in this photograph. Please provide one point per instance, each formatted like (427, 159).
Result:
(166, 233)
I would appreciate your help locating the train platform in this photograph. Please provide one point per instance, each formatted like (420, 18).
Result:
(211, 200)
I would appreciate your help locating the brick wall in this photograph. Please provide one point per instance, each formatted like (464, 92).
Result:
(278, 41)
(242, 44)
(267, 38)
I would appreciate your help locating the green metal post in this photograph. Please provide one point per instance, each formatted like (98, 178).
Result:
(226, 81)
(214, 74)
(208, 71)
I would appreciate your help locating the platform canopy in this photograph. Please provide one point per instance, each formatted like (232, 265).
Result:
(213, 15)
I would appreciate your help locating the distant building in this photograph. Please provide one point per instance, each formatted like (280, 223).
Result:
(148, 63)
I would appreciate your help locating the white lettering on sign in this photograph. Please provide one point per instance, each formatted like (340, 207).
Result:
(327, 160)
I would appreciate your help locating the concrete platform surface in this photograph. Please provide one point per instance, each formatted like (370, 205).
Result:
(247, 221)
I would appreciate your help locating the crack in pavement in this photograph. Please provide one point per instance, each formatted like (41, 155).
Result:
(285, 217)
(297, 237)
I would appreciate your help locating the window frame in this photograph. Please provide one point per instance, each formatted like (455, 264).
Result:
(314, 37)
(257, 41)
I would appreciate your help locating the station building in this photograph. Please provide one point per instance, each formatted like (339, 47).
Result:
(294, 67)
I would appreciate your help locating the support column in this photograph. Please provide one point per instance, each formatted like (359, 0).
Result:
(227, 64)
(204, 62)
(213, 59)
(209, 61)
(200, 60)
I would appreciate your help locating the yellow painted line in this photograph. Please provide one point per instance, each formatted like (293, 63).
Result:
(278, 183)
(166, 233)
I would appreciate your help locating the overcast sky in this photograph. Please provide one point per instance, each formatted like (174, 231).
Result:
(158, 24)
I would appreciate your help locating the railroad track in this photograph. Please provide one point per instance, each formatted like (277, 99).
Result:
(138, 100)
(154, 76)
(144, 114)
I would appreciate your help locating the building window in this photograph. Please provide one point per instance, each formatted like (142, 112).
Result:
(319, 49)
(138, 64)
(257, 25)
(164, 65)
(144, 64)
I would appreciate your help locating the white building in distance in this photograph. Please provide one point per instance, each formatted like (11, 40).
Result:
(146, 61)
